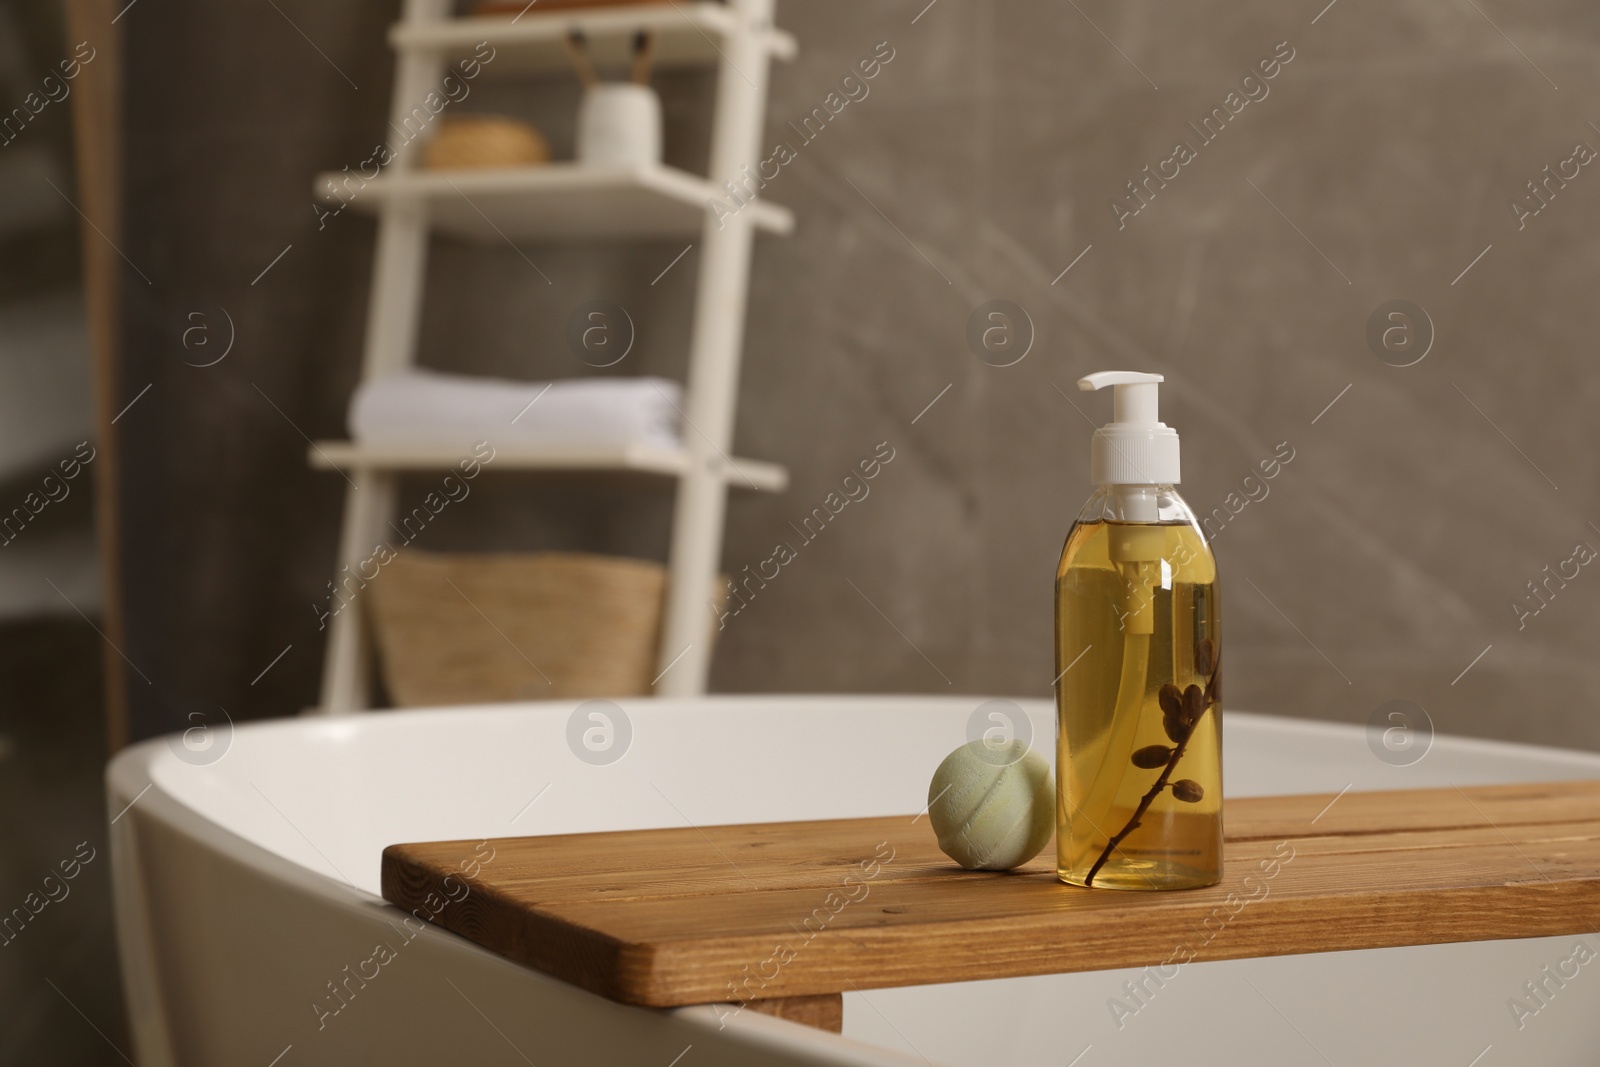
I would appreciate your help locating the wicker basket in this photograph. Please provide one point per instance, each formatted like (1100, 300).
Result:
(486, 627)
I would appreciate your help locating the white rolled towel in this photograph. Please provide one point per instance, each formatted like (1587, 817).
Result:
(427, 408)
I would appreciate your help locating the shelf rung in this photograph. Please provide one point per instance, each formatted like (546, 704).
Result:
(640, 459)
(553, 202)
(687, 35)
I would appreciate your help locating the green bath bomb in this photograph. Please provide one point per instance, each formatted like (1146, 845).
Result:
(993, 807)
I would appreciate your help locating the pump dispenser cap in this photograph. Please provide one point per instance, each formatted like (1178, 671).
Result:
(1135, 448)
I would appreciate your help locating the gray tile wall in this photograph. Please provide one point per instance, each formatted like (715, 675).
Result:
(1380, 164)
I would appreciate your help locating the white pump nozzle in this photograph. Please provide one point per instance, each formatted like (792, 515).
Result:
(1135, 398)
(1136, 447)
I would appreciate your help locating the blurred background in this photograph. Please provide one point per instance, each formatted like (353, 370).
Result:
(1426, 161)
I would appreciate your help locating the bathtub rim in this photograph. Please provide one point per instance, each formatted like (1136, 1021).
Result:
(130, 785)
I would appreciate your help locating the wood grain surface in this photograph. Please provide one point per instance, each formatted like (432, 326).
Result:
(780, 910)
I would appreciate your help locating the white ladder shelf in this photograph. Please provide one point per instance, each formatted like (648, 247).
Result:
(565, 202)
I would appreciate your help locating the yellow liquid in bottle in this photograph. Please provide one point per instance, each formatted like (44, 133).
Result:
(1139, 625)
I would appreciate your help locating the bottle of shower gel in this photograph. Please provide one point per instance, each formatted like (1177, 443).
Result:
(1138, 654)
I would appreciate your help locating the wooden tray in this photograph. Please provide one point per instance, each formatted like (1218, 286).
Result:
(787, 916)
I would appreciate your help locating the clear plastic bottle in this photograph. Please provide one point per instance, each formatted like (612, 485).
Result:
(1138, 650)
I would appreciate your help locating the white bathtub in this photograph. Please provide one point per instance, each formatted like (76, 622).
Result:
(245, 885)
